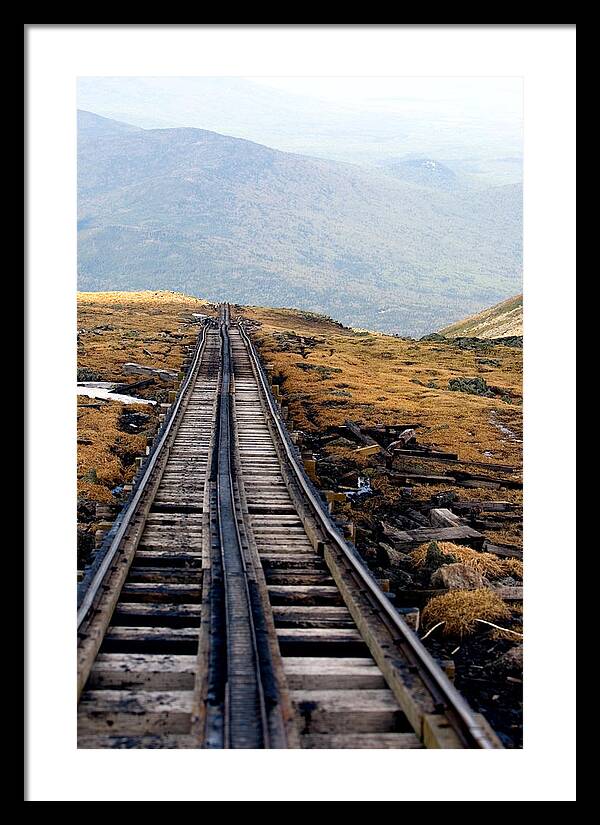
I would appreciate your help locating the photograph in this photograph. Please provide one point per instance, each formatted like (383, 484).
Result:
(299, 412)
(299, 304)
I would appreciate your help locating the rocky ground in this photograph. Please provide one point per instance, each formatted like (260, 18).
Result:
(155, 330)
(379, 416)
(400, 430)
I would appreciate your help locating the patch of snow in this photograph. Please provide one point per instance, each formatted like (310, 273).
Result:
(106, 395)
(505, 430)
(105, 385)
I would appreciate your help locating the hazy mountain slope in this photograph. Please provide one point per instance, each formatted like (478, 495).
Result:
(91, 125)
(498, 321)
(211, 215)
(346, 130)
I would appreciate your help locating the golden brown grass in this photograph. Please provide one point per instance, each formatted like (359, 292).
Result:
(151, 328)
(102, 449)
(512, 567)
(459, 610)
(144, 326)
(387, 380)
(487, 564)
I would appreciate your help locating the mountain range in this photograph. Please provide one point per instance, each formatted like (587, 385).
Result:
(407, 248)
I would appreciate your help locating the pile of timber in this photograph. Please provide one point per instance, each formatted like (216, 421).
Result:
(371, 447)
(460, 479)
(459, 534)
(452, 458)
(484, 506)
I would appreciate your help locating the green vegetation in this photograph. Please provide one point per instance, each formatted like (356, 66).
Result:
(229, 219)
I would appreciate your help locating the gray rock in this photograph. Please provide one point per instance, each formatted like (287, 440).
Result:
(457, 576)
(511, 661)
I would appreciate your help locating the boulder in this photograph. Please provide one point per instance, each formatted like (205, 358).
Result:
(510, 662)
(457, 576)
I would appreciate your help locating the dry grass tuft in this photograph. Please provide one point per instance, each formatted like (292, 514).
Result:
(485, 563)
(460, 609)
(506, 635)
(105, 453)
(513, 567)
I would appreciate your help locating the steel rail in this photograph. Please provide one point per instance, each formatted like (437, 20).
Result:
(131, 508)
(457, 708)
(244, 694)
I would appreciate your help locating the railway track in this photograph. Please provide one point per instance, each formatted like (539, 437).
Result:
(226, 610)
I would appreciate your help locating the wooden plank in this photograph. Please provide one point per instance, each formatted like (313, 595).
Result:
(292, 560)
(372, 741)
(319, 635)
(442, 517)
(438, 733)
(365, 439)
(282, 594)
(423, 452)
(483, 506)
(337, 711)
(165, 575)
(302, 577)
(168, 555)
(506, 550)
(367, 451)
(151, 634)
(418, 478)
(165, 741)
(134, 711)
(144, 592)
(311, 616)
(149, 671)
(422, 535)
(324, 673)
(146, 610)
(452, 458)
(475, 484)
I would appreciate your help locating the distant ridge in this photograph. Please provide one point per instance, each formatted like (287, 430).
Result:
(207, 214)
(499, 321)
(92, 125)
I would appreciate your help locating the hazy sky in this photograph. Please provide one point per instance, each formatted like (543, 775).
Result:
(474, 122)
(499, 97)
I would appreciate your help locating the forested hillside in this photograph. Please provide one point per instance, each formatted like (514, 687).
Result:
(225, 218)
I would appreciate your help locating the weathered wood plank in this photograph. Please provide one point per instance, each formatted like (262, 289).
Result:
(372, 741)
(148, 671)
(165, 741)
(442, 517)
(129, 633)
(319, 635)
(337, 711)
(323, 673)
(298, 594)
(421, 535)
(504, 550)
(134, 711)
